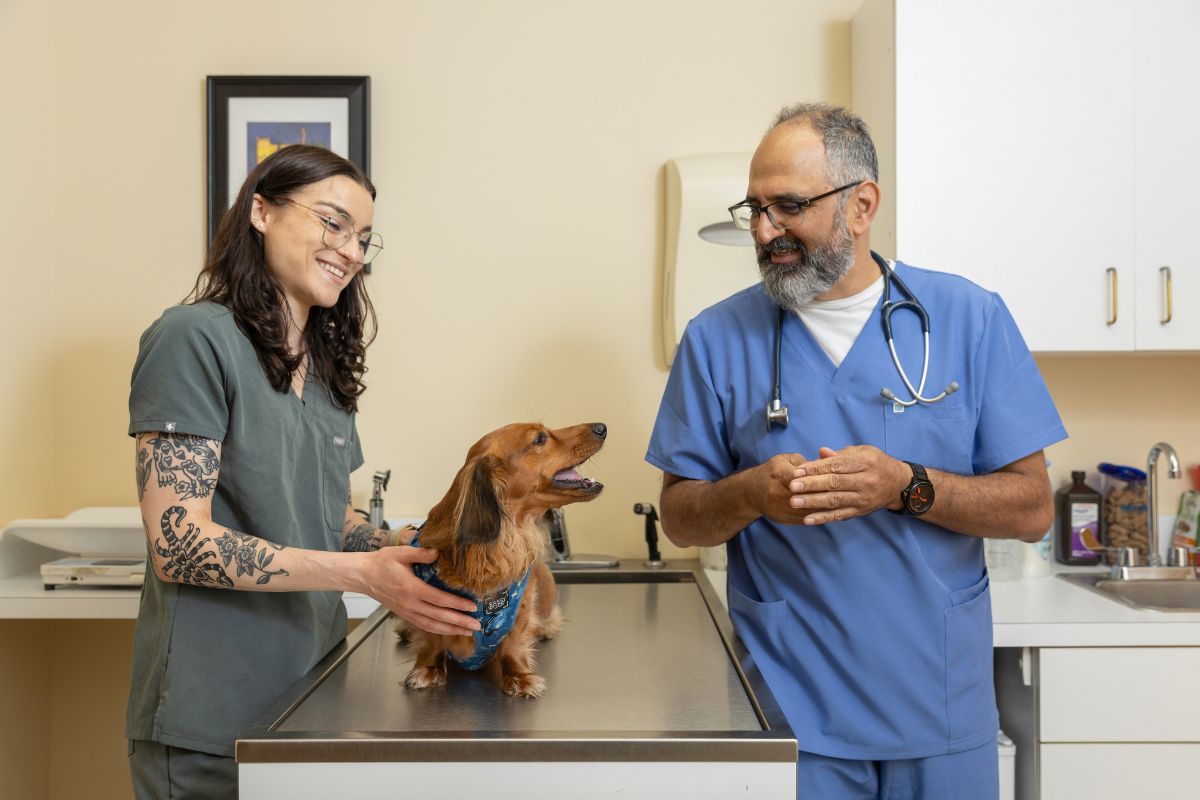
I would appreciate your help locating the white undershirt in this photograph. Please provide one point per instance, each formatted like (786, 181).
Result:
(835, 324)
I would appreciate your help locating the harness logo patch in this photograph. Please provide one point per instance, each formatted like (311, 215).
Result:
(169, 427)
(492, 604)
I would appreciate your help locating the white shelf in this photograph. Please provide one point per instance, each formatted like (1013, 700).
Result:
(25, 597)
(26, 544)
(1050, 612)
(1047, 611)
(1031, 612)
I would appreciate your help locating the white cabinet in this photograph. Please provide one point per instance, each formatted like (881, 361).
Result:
(1118, 770)
(1038, 149)
(1119, 694)
(1167, 113)
(1101, 722)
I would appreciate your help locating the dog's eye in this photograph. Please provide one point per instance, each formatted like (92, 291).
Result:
(540, 439)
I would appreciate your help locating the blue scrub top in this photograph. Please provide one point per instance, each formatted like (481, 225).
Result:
(875, 633)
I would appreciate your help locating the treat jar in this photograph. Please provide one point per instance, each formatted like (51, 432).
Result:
(1126, 523)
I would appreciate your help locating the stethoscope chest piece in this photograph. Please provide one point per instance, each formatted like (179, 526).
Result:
(777, 414)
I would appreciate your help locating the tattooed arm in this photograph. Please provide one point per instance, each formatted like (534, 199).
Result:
(358, 536)
(176, 477)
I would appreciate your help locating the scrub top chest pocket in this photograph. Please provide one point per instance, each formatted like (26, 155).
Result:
(941, 436)
(335, 479)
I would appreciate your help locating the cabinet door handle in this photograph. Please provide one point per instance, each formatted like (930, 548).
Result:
(1166, 273)
(1112, 294)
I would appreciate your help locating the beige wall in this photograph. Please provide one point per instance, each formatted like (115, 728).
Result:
(26, 362)
(1117, 407)
(27, 324)
(518, 149)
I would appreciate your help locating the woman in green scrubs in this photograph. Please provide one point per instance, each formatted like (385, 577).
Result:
(243, 405)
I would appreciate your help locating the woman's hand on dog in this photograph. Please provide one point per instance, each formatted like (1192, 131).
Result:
(388, 578)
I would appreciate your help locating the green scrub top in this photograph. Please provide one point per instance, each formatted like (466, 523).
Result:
(208, 662)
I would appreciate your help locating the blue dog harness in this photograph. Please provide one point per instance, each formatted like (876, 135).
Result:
(496, 612)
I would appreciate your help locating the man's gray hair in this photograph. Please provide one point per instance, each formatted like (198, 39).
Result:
(849, 151)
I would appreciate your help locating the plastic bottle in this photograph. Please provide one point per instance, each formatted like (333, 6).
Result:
(1078, 510)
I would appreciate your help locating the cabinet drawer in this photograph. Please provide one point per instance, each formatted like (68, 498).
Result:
(1119, 694)
(1118, 771)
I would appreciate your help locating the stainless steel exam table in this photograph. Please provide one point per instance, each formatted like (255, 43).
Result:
(650, 696)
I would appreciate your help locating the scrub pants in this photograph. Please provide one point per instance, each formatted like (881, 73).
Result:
(162, 772)
(969, 775)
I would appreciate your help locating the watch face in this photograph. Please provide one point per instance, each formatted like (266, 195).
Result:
(920, 498)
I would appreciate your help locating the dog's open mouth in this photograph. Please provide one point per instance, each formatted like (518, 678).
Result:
(571, 479)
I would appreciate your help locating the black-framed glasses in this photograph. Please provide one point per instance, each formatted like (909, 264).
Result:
(782, 214)
(339, 231)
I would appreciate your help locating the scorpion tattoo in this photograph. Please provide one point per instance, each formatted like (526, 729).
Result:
(189, 562)
(186, 557)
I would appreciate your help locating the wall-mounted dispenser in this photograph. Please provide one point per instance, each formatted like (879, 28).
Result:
(706, 258)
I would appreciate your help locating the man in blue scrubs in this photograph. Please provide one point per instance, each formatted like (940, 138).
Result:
(855, 532)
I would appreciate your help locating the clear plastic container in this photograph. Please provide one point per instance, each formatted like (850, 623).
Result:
(1037, 555)
(1126, 523)
(1004, 557)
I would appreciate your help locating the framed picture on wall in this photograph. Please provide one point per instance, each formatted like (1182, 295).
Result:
(250, 117)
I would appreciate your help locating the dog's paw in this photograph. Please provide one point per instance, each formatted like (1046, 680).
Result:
(524, 684)
(426, 677)
(549, 627)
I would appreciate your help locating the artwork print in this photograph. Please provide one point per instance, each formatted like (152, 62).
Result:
(265, 138)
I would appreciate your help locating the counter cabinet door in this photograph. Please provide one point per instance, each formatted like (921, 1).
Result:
(1012, 166)
(1167, 110)
(1118, 771)
(1119, 694)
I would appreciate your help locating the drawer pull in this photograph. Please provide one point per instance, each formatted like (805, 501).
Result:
(1166, 273)
(1112, 295)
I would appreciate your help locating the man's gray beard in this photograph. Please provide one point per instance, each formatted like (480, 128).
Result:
(816, 272)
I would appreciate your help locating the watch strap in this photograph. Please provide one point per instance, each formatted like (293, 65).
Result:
(920, 476)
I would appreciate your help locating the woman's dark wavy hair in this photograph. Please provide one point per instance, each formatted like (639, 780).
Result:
(236, 275)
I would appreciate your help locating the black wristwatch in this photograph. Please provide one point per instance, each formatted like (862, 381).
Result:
(917, 497)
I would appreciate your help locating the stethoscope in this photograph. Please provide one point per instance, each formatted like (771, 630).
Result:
(777, 412)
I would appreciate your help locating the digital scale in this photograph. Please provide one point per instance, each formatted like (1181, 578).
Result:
(107, 571)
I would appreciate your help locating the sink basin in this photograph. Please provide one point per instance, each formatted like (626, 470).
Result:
(1146, 595)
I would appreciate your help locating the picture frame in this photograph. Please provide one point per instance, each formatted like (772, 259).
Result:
(250, 116)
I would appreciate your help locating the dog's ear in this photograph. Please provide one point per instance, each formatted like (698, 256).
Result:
(481, 515)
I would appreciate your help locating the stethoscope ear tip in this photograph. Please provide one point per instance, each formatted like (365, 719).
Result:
(952, 388)
(888, 394)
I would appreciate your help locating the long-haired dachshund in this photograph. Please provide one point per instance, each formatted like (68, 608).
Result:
(490, 534)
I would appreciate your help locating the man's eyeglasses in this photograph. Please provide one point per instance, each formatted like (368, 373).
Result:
(782, 214)
(339, 231)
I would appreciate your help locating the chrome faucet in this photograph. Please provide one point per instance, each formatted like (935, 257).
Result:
(1152, 558)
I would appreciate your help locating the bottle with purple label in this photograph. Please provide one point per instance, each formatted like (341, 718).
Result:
(1080, 538)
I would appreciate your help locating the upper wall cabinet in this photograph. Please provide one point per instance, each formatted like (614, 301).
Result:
(1043, 150)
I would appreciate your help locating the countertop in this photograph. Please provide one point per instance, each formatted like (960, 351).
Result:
(1046, 611)
(1040, 611)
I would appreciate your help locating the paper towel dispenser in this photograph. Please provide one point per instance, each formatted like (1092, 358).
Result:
(706, 258)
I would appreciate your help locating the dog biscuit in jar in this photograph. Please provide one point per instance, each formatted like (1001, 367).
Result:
(1126, 523)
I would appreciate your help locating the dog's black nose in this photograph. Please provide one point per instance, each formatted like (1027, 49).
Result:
(600, 430)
